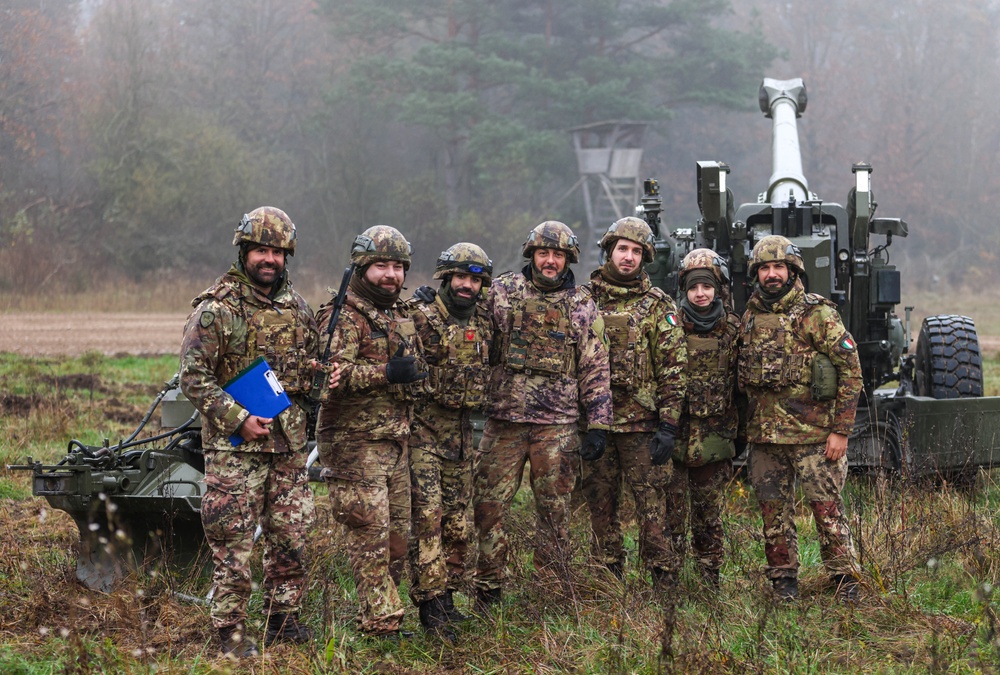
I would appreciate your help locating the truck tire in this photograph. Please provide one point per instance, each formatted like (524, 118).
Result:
(948, 361)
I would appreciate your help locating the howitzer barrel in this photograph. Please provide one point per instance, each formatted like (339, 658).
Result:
(784, 101)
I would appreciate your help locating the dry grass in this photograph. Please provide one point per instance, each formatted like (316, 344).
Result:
(930, 552)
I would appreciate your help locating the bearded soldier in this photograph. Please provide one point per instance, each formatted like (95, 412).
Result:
(798, 420)
(647, 356)
(363, 428)
(706, 444)
(455, 330)
(549, 363)
(253, 311)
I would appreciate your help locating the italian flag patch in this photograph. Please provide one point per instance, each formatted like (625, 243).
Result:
(672, 319)
(847, 342)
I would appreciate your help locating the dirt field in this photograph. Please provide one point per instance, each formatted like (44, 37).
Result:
(72, 334)
(38, 334)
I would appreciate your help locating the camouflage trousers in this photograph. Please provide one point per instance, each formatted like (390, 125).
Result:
(773, 469)
(552, 452)
(242, 490)
(440, 492)
(627, 459)
(706, 487)
(370, 496)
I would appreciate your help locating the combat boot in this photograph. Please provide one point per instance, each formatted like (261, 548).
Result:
(485, 599)
(434, 619)
(282, 627)
(847, 588)
(786, 588)
(617, 568)
(448, 601)
(664, 581)
(710, 578)
(236, 643)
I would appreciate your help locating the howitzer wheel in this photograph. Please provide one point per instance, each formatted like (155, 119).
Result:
(949, 363)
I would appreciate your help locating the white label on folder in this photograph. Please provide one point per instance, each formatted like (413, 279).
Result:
(272, 380)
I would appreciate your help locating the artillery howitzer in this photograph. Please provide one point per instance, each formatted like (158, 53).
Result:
(137, 504)
(936, 419)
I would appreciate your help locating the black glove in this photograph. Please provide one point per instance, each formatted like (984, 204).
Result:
(741, 447)
(593, 444)
(661, 448)
(425, 294)
(402, 369)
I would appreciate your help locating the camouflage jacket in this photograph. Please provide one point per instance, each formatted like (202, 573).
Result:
(647, 353)
(549, 358)
(365, 406)
(710, 419)
(458, 356)
(232, 324)
(777, 347)
(458, 374)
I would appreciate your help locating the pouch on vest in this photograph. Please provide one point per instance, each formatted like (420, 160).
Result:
(712, 448)
(824, 378)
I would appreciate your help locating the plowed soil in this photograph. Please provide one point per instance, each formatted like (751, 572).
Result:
(72, 334)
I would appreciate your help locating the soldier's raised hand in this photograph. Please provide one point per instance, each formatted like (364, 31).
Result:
(425, 294)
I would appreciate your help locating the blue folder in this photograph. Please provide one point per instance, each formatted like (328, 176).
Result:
(257, 389)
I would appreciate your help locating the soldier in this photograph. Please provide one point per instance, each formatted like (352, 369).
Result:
(363, 428)
(549, 362)
(647, 355)
(706, 445)
(798, 420)
(253, 311)
(455, 330)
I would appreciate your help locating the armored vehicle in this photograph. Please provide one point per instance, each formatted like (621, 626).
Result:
(137, 504)
(932, 418)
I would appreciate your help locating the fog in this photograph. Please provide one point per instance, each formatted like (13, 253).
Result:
(135, 133)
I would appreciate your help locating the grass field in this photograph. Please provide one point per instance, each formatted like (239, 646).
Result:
(930, 552)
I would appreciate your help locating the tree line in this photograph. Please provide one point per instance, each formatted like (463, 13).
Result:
(135, 133)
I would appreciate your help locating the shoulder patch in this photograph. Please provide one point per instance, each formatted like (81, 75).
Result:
(207, 319)
(848, 343)
(673, 320)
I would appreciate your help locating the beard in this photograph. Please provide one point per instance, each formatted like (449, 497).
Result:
(265, 274)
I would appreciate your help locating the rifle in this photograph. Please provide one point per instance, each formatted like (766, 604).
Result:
(319, 378)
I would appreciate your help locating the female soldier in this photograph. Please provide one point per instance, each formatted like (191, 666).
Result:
(706, 442)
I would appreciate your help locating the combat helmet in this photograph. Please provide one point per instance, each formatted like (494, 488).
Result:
(267, 226)
(467, 258)
(552, 234)
(635, 230)
(381, 243)
(704, 259)
(775, 248)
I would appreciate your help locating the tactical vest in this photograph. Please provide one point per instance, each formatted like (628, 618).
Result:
(276, 333)
(396, 330)
(710, 374)
(542, 340)
(631, 366)
(458, 359)
(773, 356)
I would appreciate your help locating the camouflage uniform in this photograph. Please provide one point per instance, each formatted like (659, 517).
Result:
(262, 481)
(441, 448)
(703, 457)
(362, 435)
(647, 357)
(549, 363)
(705, 442)
(788, 428)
